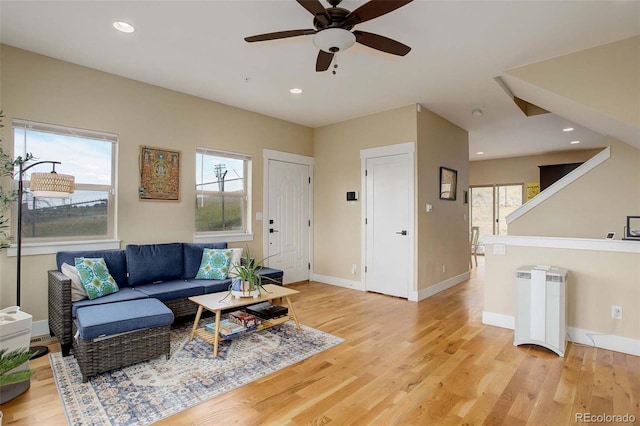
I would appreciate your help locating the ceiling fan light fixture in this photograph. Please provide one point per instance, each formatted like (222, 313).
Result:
(333, 40)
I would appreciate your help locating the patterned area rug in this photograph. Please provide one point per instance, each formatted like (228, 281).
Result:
(147, 392)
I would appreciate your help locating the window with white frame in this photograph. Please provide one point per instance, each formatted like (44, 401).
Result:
(222, 192)
(89, 156)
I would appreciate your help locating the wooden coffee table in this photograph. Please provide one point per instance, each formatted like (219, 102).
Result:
(217, 302)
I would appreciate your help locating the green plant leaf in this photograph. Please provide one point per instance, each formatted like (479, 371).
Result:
(17, 377)
(13, 359)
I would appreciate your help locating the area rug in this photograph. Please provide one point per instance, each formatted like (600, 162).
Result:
(147, 392)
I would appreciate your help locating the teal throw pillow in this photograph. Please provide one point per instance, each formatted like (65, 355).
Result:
(214, 264)
(95, 277)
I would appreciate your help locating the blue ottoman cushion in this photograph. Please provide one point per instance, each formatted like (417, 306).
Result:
(121, 317)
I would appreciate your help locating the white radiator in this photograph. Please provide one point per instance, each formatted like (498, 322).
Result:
(541, 307)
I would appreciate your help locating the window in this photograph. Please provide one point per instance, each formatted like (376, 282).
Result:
(222, 193)
(88, 214)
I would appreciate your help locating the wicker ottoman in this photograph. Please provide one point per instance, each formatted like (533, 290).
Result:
(116, 335)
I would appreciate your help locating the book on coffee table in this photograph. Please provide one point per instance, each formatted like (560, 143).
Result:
(267, 310)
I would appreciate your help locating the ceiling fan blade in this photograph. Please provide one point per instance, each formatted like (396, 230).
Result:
(317, 10)
(279, 34)
(372, 9)
(381, 43)
(324, 60)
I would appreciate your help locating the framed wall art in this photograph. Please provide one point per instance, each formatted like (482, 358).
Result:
(448, 183)
(159, 174)
(632, 230)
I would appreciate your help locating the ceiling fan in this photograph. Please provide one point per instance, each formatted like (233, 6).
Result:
(333, 27)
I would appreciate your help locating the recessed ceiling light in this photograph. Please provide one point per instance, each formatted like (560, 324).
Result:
(480, 152)
(568, 129)
(574, 142)
(123, 27)
(295, 91)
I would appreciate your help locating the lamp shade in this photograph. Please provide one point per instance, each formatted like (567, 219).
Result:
(334, 40)
(51, 185)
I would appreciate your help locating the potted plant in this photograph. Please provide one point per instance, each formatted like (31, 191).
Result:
(13, 382)
(248, 282)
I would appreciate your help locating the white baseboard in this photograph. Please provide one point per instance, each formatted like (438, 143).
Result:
(612, 342)
(499, 320)
(605, 341)
(437, 288)
(340, 282)
(39, 328)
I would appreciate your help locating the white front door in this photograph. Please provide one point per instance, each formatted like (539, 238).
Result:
(288, 219)
(388, 219)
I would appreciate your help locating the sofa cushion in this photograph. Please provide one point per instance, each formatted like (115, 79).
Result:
(95, 277)
(271, 273)
(77, 289)
(172, 290)
(214, 265)
(154, 263)
(212, 286)
(126, 293)
(193, 256)
(116, 261)
(121, 317)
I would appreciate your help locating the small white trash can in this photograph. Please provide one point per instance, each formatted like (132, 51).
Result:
(15, 333)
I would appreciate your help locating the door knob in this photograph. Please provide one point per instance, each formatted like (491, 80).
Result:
(402, 233)
(271, 230)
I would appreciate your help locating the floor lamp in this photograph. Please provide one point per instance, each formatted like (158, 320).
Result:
(49, 185)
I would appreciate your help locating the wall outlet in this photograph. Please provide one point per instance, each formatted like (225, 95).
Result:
(616, 312)
(354, 269)
(444, 268)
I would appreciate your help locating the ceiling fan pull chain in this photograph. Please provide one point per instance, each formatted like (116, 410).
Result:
(335, 64)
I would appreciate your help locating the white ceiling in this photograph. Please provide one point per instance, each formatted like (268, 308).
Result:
(459, 47)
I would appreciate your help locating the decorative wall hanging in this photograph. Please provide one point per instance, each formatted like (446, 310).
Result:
(159, 174)
(448, 183)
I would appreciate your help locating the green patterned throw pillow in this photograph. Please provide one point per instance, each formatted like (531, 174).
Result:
(95, 277)
(214, 264)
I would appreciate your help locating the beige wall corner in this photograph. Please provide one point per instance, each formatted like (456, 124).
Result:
(443, 233)
(39, 88)
(598, 88)
(591, 206)
(336, 151)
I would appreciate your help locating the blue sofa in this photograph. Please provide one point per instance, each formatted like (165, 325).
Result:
(162, 271)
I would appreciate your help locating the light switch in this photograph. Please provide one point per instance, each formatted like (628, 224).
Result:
(429, 208)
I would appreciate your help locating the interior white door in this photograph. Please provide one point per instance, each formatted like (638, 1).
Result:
(387, 225)
(288, 219)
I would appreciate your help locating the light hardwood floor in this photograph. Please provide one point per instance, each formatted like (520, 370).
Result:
(426, 363)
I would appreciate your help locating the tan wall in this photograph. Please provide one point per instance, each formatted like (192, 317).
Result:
(595, 204)
(443, 234)
(522, 169)
(43, 89)
(336, 171)
(596, 280)
(589, 78)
